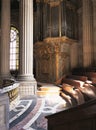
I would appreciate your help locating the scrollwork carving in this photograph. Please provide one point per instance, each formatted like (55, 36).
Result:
(64, 55)
(42, 52)
(56, 48)
(52, 58)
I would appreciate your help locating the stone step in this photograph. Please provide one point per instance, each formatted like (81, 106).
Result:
(48, 91)
(50, 88)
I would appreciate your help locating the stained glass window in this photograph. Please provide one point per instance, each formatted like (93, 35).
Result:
(14, 49)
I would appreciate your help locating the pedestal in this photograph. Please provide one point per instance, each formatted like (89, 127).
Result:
(54, 58)
(4, 112)
(27, 88)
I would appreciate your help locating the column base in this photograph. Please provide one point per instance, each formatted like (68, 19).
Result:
(25, 78)
(27, 88)
(28, 85)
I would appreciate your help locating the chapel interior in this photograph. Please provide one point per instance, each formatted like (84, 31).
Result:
(48, 52)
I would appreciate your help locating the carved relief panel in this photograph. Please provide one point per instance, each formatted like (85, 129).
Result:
(52, 58)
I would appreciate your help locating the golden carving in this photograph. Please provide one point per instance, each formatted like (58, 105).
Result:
(54, 3)
(52, 58)
(62, 39)
(64, 55)
(41, 51)
(57, 48)
(13, 94)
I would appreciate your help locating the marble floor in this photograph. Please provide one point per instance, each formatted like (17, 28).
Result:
(30, 112)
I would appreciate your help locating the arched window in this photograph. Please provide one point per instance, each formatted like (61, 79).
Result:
(14, 49)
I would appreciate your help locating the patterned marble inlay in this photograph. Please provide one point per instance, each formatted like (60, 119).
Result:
(30, 113)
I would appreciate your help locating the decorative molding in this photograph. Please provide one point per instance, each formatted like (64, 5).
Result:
(51, 46)
(52, 57)
(48, 1)
(62, 39)
(52, 3)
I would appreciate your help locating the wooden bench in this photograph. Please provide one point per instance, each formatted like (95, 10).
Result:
(88, 90)
(78, 77)
(81, 117)
(75, 94)
(91, 76)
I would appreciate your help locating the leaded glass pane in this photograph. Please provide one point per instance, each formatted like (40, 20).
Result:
(14, 49)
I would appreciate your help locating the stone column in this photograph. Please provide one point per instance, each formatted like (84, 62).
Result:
(5, 39)
(87, 33)
(94, 31)
(28, 83)
(80, 43)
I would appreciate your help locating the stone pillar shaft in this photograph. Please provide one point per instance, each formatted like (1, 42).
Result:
(87, 34)
(28, 85)
(5, 39)
(94, 31)
(26, 39)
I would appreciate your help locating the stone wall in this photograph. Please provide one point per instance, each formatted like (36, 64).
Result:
(4, 112)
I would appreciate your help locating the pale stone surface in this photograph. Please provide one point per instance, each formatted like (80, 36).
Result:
(27, 88)
(26, 40)
(4, 112)
(27, 82)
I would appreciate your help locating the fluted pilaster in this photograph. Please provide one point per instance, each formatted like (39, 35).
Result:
(26, 40)
(87, 33)
(5, 39)
(28, 85)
